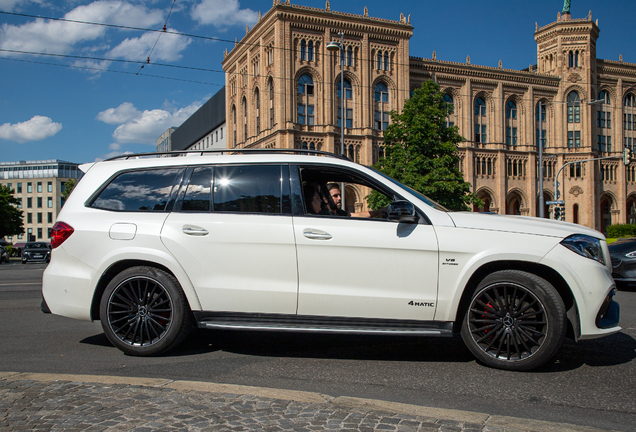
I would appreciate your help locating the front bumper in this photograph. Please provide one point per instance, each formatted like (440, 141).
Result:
(609, 313)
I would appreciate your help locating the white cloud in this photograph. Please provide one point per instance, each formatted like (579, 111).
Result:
(168, 48)
(61, 37)
(114, 146)
(112, 154)
(222, 13)
(123, 113)
(36, 129)
(144, 127)
(11, 5)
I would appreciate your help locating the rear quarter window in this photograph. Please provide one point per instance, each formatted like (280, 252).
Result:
(144, 190)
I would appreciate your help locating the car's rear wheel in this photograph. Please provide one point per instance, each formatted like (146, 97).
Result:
(515, 321)
(144, 311)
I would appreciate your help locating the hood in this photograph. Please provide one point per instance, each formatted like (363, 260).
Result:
(520, 224)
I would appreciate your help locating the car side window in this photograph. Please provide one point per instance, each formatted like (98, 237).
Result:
(249, 189)
(199, 191)
(143, 190)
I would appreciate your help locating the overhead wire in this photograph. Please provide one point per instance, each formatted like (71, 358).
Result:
(159, 35)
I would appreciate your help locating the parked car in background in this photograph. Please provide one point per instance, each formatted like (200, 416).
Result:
(153, 245)
(623, 254)
(36, 252)
(4, 255)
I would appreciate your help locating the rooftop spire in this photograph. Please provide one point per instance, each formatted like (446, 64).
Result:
(566, 7)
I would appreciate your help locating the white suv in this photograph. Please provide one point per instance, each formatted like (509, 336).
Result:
(152, 246)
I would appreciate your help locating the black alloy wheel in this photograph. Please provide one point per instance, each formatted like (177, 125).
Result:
(515, 321)
(144, 311)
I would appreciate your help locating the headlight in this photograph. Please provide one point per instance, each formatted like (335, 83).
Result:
(589, 247)
(631, 255)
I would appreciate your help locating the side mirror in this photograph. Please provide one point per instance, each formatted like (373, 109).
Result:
(402, 211)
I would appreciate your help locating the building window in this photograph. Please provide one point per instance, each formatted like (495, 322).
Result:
(381, 105)
(19, 187)
(49, 217)
(257, 106)
(39, 233)
(386, 61)
(29, 202)
(244, 119)
(450, 111)
(349, 56)
(604, 123)
(347, 104)
(29, 217)
(511, 123)
(541, 124)
(379, 60)
(310, 51)
(629, 121)
(39, 202)
(221, 133)
(575, 170)
(39, 218)
(305, 97)
(271, 103)
(255, 69)
(49, 202)
(303, 50)
(574, 107)
(29, 187)
(574, 139)
(48, 233)
(481, 123)
(234, 123)
(20, 202)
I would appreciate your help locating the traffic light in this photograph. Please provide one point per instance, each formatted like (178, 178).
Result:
(557, 212)
(562, 212)
(627, 155)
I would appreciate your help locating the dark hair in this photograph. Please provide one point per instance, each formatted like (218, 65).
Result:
(333, 186)
(309, 190)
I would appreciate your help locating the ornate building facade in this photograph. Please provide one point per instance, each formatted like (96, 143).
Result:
(283, 91)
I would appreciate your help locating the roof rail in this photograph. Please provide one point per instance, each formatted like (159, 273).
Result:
(180, 153)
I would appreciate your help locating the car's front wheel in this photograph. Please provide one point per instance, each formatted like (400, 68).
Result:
(144, 311)
(515, 321)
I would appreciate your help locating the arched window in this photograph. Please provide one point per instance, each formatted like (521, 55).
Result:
(511, 123)
(570, 59)
(312, 146)
(303, 50)
(450, 116)
(386, 61)
(244, 120)
(576, 59)
(234, 123)
(541, 124)
(271, 103)
(306, 100)
(379, 60)
(349, 56)
(604, 122)
(257, 110)
(629, 120)
(310, 51)
(350, 152)
(574, 119)
(480, 121)
(304, 146)
(381, 152)
(347, 104)
(381, 106)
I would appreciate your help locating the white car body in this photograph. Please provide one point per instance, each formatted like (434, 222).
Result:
(272, 264)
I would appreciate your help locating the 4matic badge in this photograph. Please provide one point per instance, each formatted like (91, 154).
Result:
(414, 303)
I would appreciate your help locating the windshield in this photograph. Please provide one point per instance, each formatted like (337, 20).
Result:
(425, 199)
(35, 246)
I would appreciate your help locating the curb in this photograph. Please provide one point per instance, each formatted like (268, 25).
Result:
(494, 421)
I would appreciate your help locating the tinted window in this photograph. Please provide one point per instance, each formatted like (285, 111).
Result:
(147, 190)
(198, 193)
(247, 189)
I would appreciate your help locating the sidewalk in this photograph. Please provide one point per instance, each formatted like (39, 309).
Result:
(48, 402)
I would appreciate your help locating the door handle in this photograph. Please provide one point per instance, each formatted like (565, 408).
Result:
(194, 230)
(315, 234)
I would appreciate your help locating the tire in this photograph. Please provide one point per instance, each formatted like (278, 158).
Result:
(144, 312)
(516, 321)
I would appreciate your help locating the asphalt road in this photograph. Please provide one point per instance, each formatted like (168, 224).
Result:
(591, 383)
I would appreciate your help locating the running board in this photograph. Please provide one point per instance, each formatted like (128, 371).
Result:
(319, 324)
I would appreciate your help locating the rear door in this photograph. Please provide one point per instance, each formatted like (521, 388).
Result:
(232, 232)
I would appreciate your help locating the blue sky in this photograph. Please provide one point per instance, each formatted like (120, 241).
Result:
(81, 110)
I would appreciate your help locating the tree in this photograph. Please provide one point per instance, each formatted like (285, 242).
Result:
(10, 215)
(421, 151)
(68, 188)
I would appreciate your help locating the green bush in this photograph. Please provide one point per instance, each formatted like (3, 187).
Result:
(621, 230)
(9, 250)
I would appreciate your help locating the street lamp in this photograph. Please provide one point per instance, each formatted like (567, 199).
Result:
(334, 47)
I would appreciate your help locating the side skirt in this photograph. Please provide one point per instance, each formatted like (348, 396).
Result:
(320, 324)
